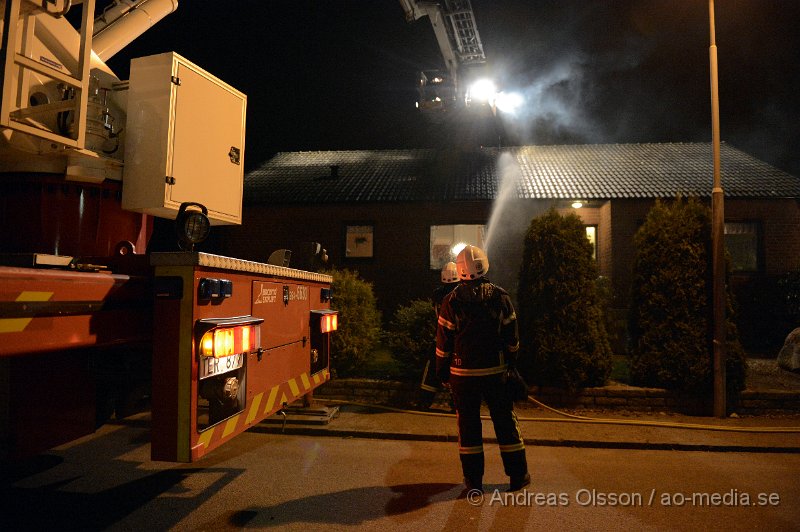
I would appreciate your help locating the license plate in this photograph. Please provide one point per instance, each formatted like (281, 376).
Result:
(210, 366)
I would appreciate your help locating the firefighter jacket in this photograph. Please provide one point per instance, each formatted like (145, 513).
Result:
(477, 331)
(439, 293)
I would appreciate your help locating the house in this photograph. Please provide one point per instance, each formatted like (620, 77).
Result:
(395, 215)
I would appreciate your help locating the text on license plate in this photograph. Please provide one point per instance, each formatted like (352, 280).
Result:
(210, 366)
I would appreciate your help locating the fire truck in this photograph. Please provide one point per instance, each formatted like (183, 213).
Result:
(92, 315)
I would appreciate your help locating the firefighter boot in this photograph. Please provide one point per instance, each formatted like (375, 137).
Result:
(517, 483)
(474, 483)
(472, 468)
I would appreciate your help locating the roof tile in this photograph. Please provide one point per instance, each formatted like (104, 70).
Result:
(589, 171)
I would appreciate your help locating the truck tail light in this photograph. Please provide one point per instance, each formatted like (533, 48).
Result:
(329, 323)
(226, 337)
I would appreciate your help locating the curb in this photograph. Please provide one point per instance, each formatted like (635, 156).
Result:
(586, 444)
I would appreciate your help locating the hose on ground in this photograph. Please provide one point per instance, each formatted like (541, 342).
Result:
(572, 418)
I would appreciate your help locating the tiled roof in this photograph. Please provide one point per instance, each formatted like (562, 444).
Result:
(589, 171)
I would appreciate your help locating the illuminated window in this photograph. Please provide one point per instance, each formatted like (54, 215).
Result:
(591, 234)
(447, 240)
(742, 244)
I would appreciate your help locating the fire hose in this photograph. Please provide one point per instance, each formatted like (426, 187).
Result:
(573, 418)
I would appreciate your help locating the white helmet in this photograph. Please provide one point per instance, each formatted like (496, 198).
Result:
(449, 273)
(472, 263)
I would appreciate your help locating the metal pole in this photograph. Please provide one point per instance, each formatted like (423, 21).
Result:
(717, 234)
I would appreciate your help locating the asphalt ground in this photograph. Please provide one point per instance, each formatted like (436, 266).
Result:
(539, 426)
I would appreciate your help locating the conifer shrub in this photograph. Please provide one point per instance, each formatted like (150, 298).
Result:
(359, 322)
(563, 340)
(412, 336)
(670, 314)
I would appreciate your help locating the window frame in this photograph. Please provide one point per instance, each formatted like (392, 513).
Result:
(759, 247)
(367, 230)
(482, 244)
(595, 244)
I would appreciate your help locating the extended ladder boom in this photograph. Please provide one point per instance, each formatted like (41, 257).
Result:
(453, 24)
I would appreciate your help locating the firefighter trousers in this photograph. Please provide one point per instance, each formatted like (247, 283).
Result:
(468, 393)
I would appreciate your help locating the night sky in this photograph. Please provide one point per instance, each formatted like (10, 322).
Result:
(339, 74)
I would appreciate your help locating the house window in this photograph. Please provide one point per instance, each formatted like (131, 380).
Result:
(358, 241)
(742, 241)
(591, 234)
(448, 240)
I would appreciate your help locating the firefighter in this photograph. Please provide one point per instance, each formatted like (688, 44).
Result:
(476, 341)
(430, 384)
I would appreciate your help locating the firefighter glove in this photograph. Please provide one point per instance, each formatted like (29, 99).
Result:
(443, 372)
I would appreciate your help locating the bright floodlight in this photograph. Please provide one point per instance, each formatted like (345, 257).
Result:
(483, 90)
(509, 102)
(456, 249)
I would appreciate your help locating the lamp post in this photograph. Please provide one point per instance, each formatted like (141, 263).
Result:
(717, 234)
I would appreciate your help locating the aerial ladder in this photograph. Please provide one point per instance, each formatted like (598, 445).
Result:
(453, 23)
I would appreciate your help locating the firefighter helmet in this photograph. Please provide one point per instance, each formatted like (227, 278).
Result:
(449, 273)
(472, 263)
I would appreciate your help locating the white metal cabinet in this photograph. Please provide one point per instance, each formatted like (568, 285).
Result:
(185, 140)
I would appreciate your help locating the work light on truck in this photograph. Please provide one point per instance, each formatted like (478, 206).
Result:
(192, 225)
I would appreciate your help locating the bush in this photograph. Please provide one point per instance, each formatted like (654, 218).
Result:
(412, 336)
(359, 322)
(669, 322)
(563, 339)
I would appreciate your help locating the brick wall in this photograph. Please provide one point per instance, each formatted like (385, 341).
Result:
(400, 266)
(780, 221)
(626, 217)
(780, 224)
(604, 238)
